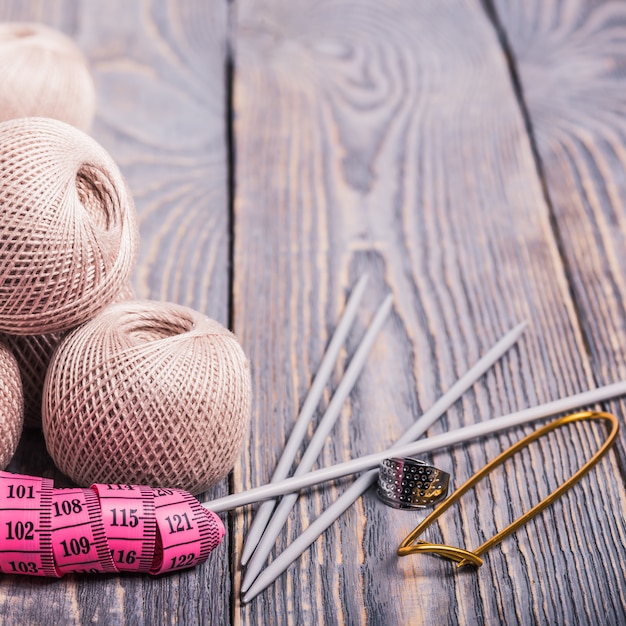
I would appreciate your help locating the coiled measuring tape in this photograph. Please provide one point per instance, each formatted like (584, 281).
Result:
(104, 529)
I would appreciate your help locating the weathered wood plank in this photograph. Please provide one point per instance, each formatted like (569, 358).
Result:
(159, 69)
(387, 138)
(569, 57)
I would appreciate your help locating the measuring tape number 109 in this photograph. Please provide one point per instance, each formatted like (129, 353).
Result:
(104, 529)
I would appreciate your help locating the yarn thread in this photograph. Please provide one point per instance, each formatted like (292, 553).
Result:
(102, 529)
(68, 234)
(11, 405)
(141, 393)
(33, 354)
(44, 74)
(147, 393)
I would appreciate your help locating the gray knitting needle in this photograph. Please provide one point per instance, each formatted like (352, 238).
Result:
(306, 413)
(256, 494)
(282, 562)
(460, 435)
(317, 441)
(419, 427)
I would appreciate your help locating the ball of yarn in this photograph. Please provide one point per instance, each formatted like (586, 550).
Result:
(68, 231)
(33, 354)
(147, 393)
(11, 405)
(44, 74)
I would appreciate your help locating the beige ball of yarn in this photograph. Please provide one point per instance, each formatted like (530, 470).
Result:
(44, 74)
(11, 405)
(68, 231)
(33, 354)
(147, 393)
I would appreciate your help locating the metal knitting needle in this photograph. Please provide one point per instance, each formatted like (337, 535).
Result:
(366, 480)
(317, 441)
(460, 435)
(232, 501)
(418, 428)
(280, 564)
(306, 413)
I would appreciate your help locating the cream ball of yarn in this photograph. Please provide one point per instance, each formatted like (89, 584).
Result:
(44, 74)
(147, 393)
(68, 229)
(11, 405)
(33, 354)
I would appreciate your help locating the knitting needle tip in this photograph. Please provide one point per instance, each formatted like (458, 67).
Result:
(264, 512)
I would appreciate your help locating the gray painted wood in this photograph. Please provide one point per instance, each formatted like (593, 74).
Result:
(568, 57)
(389, 139)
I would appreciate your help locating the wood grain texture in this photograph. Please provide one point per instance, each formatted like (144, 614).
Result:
(388, 139)
(159, 69)
(570, 57)
(384, 138)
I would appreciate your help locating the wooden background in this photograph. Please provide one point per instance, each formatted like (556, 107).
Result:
(470, 157)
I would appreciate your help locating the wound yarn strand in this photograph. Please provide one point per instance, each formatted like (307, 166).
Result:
(11, 405)
(147, 393)
(44, 74)
(68, 234)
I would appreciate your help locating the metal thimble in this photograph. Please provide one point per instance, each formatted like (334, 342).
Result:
(406, 483)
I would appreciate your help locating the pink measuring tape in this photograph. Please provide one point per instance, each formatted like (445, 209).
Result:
(104, 529)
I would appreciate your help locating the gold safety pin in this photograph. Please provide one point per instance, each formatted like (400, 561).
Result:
(466, 557)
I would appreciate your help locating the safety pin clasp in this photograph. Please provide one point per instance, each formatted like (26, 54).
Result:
(413, 545)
